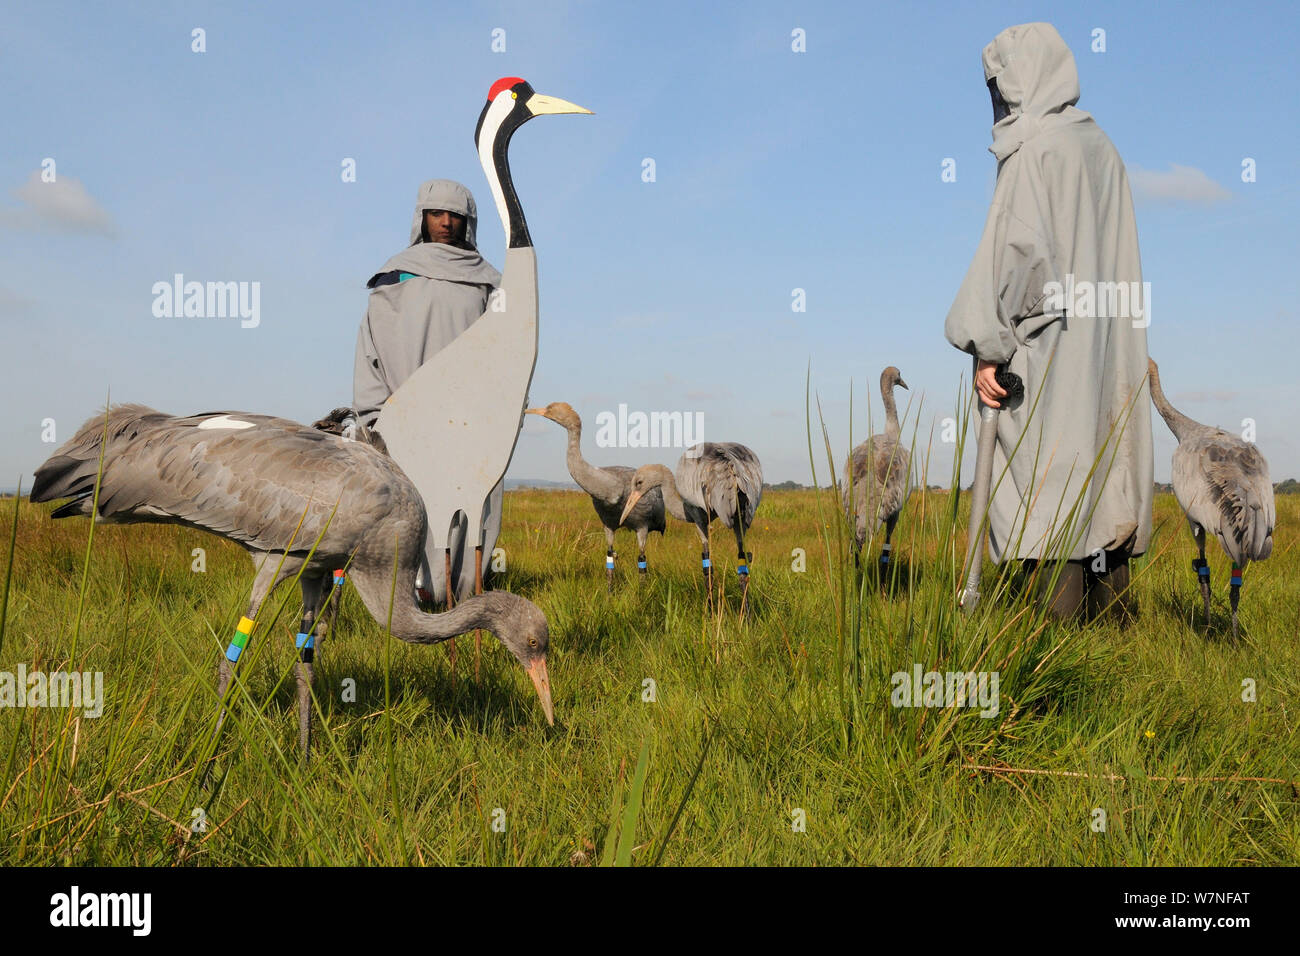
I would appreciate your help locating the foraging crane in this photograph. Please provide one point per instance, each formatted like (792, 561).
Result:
(714, 480)
(1222, 484)
(876, 476)
(609, 488)
(271, 485)
(453, 425)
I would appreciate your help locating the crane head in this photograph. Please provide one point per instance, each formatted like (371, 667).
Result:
(560, 412)
(521, 626)
(512, 102)
(892, 376)
(646, 479)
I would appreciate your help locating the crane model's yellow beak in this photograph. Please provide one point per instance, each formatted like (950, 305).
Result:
(539, 104)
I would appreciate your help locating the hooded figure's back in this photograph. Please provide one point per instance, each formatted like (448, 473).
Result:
(1055, 291)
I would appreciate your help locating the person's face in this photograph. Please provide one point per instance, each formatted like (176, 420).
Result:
(445, 227)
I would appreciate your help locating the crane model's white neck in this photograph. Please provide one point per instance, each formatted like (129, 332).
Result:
(493, 157)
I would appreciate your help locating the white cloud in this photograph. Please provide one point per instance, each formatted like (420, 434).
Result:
(1177, 184)
(63, 205)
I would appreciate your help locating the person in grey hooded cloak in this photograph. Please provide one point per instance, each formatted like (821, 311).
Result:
(422, 299)
(1055, 295)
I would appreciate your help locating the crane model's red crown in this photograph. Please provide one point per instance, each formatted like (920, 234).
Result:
(505, 83)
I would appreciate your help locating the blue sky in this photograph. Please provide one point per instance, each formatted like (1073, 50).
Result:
(775, 170)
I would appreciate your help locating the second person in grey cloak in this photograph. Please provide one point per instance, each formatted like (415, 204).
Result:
(1061, 226)
(422, 299)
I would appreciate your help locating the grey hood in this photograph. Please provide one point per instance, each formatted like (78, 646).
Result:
(435, 260)
(1037, 78)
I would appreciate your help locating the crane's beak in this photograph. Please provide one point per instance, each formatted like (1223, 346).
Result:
(542, 681)
(539, 104)
(535, 411)
(902, 384)
(631, 503)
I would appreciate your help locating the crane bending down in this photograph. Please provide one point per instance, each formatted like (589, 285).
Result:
(714, 480)
(252, 479)
(876, 476)
(609, 488)
(1222, 484)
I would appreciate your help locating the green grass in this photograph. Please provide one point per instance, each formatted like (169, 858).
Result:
(751, 722)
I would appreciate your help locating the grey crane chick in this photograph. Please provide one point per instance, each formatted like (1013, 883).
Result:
(876, 476)
(1222, 484)
(713, 480)
(609, 488)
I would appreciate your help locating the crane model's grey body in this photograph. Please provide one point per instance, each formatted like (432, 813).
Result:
(444, 405)
(1222, 484)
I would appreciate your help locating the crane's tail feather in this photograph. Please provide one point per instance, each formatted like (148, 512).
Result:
(70, 472)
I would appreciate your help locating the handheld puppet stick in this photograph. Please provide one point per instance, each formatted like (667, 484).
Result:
(979, 502)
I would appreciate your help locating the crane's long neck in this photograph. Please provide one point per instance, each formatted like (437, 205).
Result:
(493, 154)
(1178, 423)
(672, 500)
(596, 482)
(409, 622)
(891, 410)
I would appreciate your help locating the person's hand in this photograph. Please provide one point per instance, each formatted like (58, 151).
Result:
(987, 385)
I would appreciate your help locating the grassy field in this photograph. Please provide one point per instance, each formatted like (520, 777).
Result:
(771, 741)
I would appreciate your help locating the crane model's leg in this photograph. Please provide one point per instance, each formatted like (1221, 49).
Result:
(451, 602)
(478, 589)
(1234, 593)
(886, 549)
(609, 560)
(742, 561)
(641, 565)
(314, 596)
(1202, 572)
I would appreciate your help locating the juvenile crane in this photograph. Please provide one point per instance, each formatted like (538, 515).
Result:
(1222, 484)
(876, 476)
(609, 488)
(714, 480)
(252, 479)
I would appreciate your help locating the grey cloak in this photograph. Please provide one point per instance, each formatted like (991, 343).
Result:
(409, 321)
(1042, 296)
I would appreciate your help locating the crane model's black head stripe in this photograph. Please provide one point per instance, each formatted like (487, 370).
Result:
(518, 115)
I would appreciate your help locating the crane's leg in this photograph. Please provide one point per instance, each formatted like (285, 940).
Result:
(641, 535)
(742, 563)
(314, 596)
(706, 565)
(886, 551)
(609, 560)
(263, 584)
(1234, 594)
(1202, 569)
(478, 589)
